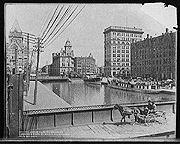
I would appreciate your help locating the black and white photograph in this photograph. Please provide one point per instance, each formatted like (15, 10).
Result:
(90, 71)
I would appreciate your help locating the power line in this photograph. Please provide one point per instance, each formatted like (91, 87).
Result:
(62, 25)
(44, 23)
(64, 15)
(65, 27)
(53, 22)
(50, 21)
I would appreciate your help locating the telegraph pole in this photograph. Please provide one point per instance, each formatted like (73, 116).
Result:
(27, 64)
(38, 51)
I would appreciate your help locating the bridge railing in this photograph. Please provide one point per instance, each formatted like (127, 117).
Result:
(51, 118)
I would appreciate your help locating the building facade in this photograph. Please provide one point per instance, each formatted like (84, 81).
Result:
(63, 61)
(16, 51)
(154, 57)
(85, 65)
(117, 48)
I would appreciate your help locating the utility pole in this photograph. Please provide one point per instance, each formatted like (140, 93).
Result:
(38, 51)
(27, 63)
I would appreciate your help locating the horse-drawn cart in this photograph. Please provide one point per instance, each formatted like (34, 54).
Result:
(141, 115)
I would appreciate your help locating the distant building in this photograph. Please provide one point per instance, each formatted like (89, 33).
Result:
(117, 48)
(45, 70)
(63, 61)
(85, 65)
(154, 57)
(16, 51)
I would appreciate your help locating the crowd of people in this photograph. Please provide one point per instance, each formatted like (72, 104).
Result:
(167, 84)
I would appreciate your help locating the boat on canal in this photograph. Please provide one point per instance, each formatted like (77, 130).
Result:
(104, 81)
(134, 87)
(92, 80)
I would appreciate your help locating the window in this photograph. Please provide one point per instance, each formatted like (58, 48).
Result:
(127, 60)
(114, 55)
(123, 51)
(118, 55)
(127, 55)
(118, 51)
(127, 51)
(127, 64)
(123, 60)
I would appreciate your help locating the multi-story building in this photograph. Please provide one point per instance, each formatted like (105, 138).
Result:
(85, 65)
(16, 51)
(63, 61)
(154, 57)
(117, 48)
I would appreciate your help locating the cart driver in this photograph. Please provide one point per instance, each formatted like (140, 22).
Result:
(151, 106)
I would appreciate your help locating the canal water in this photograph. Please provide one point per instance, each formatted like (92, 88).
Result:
(76, 93)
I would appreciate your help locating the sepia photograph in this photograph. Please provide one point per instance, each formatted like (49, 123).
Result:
(90, 72)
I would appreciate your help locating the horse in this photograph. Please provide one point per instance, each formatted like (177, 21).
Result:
(124, 111)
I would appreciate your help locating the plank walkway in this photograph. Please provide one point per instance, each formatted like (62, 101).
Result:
(109, 131)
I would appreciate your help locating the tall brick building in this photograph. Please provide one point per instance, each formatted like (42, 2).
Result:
(85, 65)
(154, 57)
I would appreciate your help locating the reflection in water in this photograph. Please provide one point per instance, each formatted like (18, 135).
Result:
(76, 93)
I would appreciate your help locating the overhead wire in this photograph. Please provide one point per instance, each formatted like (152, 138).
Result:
(47, 44)
(46, 19)
(61, 19)
(52, 23)
(62, 25)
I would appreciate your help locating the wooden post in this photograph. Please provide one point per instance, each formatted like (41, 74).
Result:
(111, 115)
(54, 120)
(15, 105)
(92, 117)
(72, 117)
(173, 108)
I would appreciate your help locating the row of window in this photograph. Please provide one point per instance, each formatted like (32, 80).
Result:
(154, 62)
(121, 64)
(119, 42)
(153, 69)
(126, 34)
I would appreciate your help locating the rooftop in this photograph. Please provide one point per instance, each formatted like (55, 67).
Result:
(123, 28)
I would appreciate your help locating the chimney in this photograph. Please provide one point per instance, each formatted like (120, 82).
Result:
(166, 30)
(147, 35)
(150, 37)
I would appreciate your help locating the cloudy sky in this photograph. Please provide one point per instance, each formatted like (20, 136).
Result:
(86, 31)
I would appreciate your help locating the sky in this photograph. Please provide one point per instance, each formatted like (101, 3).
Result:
(86, 31)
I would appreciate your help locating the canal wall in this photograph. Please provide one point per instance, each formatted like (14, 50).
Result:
(46, 99)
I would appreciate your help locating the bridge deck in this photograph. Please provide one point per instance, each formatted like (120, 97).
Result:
(107, 131)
